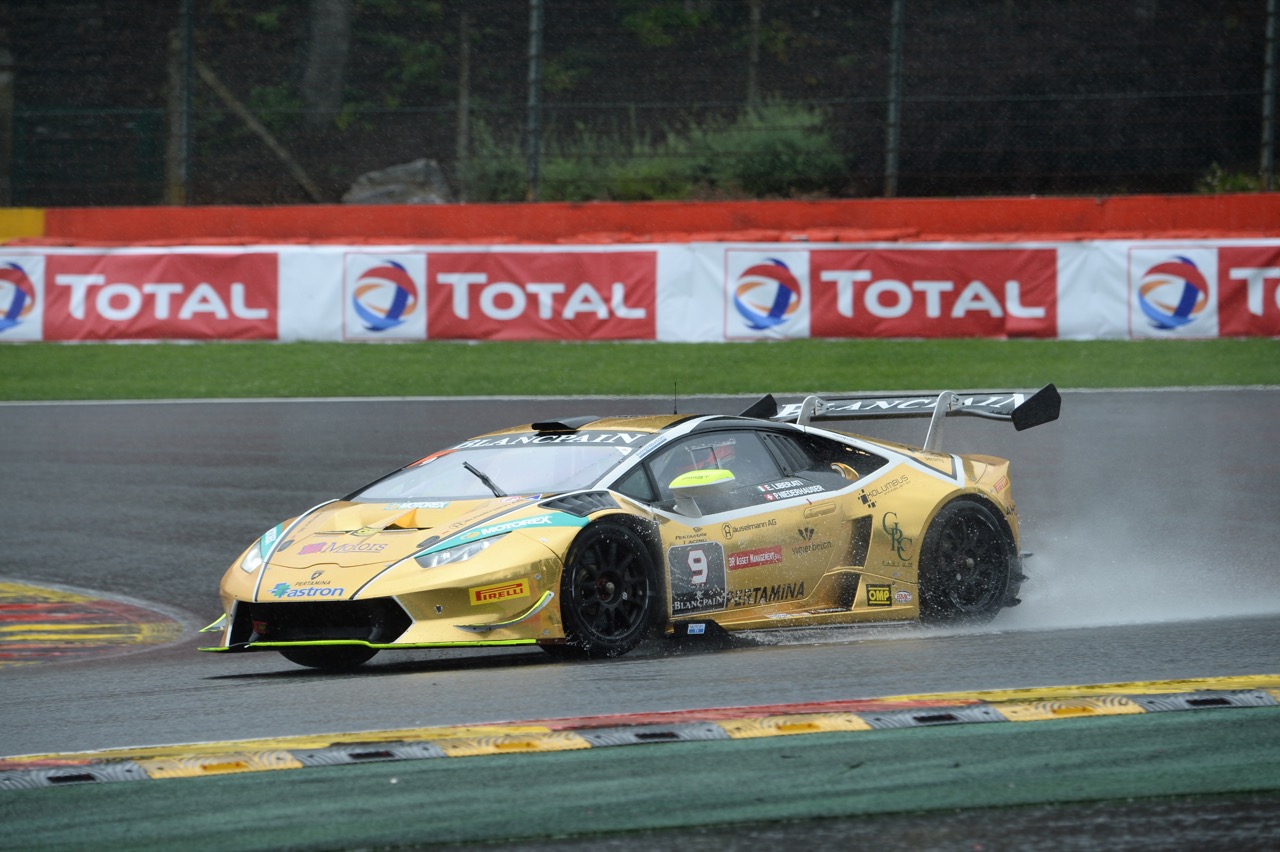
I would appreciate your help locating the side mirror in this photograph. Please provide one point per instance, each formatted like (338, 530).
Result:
(701, 492)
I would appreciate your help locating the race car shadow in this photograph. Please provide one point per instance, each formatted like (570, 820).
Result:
(392, 663)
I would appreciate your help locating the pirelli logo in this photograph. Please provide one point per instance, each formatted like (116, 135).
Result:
(499, 592)
(879, 595)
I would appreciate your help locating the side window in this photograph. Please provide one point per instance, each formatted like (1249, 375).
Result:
(741, 453)
(813, 458)
(637, 486)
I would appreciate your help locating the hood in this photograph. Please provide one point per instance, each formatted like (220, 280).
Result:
(336, 550)
(348, 535)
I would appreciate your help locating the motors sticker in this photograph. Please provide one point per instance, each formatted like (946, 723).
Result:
(335, 547)
(697, 577)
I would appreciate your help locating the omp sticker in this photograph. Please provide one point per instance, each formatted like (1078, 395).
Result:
(879, 595)
(498, 592)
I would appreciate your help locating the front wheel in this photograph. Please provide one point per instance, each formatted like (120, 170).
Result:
(967, 565)
(333, 658)
(608, 593)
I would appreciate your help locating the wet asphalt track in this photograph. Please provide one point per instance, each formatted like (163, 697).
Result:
(1152, 516)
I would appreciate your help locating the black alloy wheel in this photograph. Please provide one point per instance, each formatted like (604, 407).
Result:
(966, 565)
(608, 593)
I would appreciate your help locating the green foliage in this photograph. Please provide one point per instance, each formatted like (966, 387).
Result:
(775, 149)
(664, 24)
(276, 106)
(268, 19)
(1218, 180)
(495, 171)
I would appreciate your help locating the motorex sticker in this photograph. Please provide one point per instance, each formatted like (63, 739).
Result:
(552, 519)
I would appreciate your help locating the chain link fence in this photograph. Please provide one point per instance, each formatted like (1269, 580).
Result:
(141, 102)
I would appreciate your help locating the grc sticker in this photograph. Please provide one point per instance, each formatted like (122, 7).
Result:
(952, 292)
(498, 592)
(552, 295)
(161, 297)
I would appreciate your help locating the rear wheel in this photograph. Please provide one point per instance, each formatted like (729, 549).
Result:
(334, 658)
(608, 594)
(967, 565)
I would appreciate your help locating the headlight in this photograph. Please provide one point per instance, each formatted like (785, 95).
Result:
(257, 554)
(253, 559)
(455, 554)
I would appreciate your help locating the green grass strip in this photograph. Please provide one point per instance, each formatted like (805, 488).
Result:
(51, 371)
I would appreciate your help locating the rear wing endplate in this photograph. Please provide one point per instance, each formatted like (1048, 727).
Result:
(1024, 412)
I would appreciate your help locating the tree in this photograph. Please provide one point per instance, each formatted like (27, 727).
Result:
(327, 51)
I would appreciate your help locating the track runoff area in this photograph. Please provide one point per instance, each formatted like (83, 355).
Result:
(918, 759)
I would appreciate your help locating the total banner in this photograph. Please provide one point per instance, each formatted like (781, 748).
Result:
(685, 292)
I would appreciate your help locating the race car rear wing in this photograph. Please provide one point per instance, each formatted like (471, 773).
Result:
(1024, 412)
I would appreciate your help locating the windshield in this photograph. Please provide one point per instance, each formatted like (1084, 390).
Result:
(532, 468)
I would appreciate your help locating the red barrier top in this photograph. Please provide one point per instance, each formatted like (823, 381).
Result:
(846, 220)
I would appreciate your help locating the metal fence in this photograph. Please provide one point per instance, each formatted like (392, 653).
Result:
(634, 99)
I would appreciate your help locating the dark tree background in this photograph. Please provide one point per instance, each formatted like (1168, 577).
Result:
(999, 96)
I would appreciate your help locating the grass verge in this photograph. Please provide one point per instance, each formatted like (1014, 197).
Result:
(50, 371)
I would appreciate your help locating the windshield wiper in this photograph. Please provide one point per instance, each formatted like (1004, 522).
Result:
(480, 475)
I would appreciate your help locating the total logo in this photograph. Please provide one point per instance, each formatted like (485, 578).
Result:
(530, 295)
(383, 298)
(149, 296)
(18, 297)
(766, 295)
(1173, 295)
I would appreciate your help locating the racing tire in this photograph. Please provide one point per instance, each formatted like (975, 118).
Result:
(333, 658)
(967, 565)
(609, 593)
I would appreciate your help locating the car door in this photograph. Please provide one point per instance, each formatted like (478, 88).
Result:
(762, 544)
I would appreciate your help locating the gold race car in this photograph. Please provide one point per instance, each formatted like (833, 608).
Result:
(586, 534)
